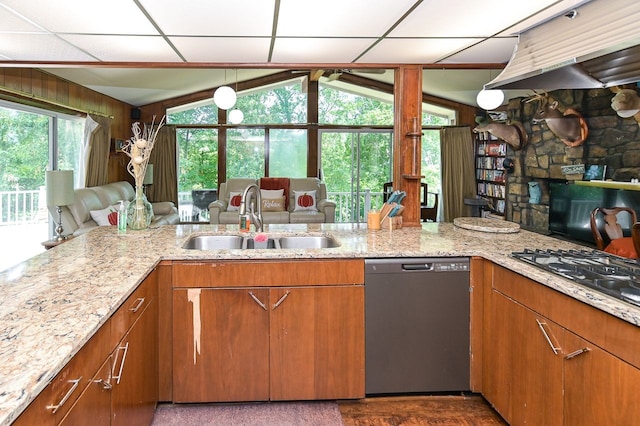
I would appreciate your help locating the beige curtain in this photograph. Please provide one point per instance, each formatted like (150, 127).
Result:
(458, 171)
(99, 144)
(165, 167)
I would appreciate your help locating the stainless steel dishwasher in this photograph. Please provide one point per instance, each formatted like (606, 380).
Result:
(416, 325)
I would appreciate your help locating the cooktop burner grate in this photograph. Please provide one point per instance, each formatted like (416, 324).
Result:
(609, 274)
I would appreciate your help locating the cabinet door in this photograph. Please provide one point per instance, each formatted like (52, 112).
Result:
(532, 373)
(317, 342)
(220, 345)
(94, 405)
(599, 387)
(135, 371)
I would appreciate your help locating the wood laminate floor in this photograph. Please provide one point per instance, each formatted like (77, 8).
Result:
(419, 410)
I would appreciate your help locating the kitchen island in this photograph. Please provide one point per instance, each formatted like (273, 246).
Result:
(55, 302)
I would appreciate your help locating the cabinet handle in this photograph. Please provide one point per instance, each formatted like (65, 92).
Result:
(66, 396)
(105, 384)
(576, 353)
(284, 296)
(138, 306)
(262, 305)
(546, 335)
(117, 377)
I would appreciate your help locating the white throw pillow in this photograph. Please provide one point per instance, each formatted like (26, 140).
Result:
(101, 217)
(234, 201)
(272, 193)
(304, 201)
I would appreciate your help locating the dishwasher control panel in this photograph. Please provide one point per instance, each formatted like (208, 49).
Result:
(451, 266)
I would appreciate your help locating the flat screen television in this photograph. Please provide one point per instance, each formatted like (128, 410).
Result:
(570, 207)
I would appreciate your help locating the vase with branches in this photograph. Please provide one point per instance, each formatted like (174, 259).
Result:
(138, 148)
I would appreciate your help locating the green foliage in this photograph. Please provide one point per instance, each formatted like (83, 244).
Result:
(24, 144)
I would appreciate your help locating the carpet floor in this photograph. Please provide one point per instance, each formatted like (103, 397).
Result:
(249, 414)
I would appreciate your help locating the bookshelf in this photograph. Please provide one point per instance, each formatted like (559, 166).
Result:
(491, 176)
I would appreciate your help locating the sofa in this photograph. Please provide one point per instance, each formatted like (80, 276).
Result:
(284, 200)
(91, 207)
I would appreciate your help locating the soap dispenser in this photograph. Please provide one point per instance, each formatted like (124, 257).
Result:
(122, 218)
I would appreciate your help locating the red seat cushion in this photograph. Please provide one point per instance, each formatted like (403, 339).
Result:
(622, 247)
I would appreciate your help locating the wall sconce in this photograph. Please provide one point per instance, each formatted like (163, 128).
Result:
(60, 193)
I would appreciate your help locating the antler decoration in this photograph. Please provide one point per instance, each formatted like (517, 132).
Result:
(139, 147)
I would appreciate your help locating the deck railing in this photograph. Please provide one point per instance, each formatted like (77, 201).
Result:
(21, 207)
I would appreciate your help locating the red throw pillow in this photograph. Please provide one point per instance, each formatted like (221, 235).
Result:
(622, 247)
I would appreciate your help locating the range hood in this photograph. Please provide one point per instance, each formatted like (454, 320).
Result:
(594, 45)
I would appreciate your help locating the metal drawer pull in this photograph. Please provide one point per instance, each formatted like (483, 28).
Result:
(66, 396)
(284, 296)
(262, 305)
(105, 385)
(124, 357)
(576, 353)
(546, 335)
(138, 306)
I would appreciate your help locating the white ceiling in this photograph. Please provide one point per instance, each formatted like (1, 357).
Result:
(143, 51)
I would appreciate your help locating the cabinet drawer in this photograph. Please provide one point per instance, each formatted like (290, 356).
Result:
(268, 273)
(131, 309)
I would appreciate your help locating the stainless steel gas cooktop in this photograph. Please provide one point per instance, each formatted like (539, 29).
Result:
(609, 274)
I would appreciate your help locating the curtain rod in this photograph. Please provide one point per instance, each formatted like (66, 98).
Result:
(50, 102)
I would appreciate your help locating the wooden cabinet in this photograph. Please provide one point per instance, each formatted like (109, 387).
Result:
(100, 385)
(527, 367)
(542, 363)
(491, 176)
(599, 388)
(135, 359)
(268, 342)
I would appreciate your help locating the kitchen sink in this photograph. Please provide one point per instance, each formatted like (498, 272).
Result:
(214, 242)
(308, 242)
(228, 242)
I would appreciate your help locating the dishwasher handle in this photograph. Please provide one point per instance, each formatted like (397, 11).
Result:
(417, 267)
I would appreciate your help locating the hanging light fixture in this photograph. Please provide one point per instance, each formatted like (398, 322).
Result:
(235, 115)
(224, 97)
(489, 99)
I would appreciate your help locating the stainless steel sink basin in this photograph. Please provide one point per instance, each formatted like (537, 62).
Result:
(228, 242)
(214, 242)
(308, 242)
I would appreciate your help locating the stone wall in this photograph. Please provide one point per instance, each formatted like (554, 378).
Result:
(612, 141)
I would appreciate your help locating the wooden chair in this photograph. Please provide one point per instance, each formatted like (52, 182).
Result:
(635, 236)
(608, 233)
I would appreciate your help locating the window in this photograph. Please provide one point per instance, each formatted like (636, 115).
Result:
(31, 140)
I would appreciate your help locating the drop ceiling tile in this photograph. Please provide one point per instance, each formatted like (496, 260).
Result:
(340, 18)
(117, 48)
(213, 17)
(495, 50)
(218, 49)
(39, 47)
(14, 23)
(318, 50)
(81, 16)
(414, 51)
(464, 18)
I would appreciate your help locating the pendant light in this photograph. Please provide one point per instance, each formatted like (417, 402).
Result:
(235, 115)
(489, 99)
(224, 97)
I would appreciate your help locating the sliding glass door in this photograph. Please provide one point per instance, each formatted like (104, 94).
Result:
(355, 164)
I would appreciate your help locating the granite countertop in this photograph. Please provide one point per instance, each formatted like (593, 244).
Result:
(54, 302)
